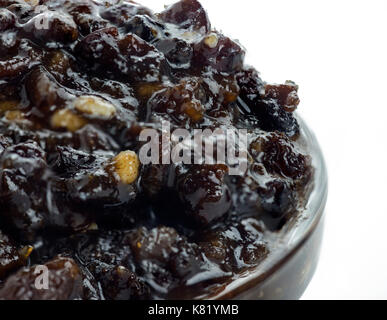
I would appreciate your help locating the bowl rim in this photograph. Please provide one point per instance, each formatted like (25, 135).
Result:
(311, 217)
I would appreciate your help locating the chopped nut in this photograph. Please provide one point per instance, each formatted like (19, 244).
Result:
(127, 166)
(211, 41)
(64, 118)
(95, 106)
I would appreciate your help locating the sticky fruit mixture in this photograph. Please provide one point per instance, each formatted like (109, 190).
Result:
(79, 81)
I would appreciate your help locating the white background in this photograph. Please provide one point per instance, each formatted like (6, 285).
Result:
(337, 52)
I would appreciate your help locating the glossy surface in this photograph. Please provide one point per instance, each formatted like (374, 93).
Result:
(74, 98)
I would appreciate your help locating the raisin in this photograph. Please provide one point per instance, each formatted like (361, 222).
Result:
(90, 138)
(128, 56)
(238, 247)
(58, 64)
(70, 161)
(108, 257)
(9, 45)
(181, 103)
(121, 284)
(144, 61)
(86, 17)
(271, 114)
(14, 67)
(11, 257)
(281, 158)
(88, 24)
(23, 166)
(44, 91)
(103, 249)
(38, 202)
(154, 245)
(274, 117)
(177, 51)
(144, 27)
(104, 182)
(100, 47)
(285, 94)
(251, 84)
(155, 179)
(51, 26)
(168, 260)
(187, 263)
(5, 142)
(221, 92)
(79, 82)
(277, 198)
(27, 159)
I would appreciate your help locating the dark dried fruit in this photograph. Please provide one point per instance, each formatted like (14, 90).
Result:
(284, 94)
(144, 61)
(4, 143)
(11, 257)
(282, 159)
(273, 107)
(180, 104)
(64, 282)
(79, 82)
(100, 47)
(85, 15)
(226, 247)
(99, 181)
(22, 10)
(21, 188)
(188, 14)
(44, 92)
(121, 284)
(220, 53)
(14, 67)
(277, 198)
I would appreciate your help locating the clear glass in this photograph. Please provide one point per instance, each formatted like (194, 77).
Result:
(286, 273)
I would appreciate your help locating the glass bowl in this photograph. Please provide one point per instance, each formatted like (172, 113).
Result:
(286, 273)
